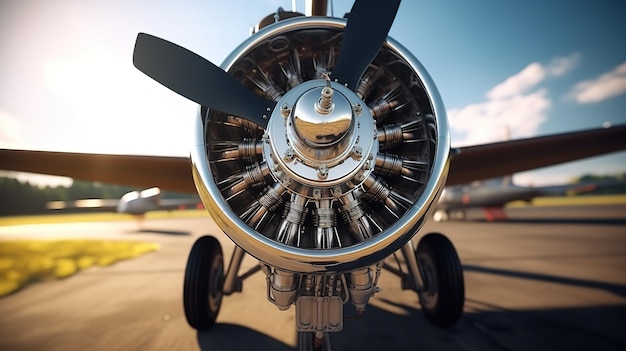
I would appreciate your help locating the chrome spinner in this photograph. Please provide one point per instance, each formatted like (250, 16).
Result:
(320, 155)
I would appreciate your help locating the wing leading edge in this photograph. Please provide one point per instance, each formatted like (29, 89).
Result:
(168, 173)
(468, 163)
(500, 159)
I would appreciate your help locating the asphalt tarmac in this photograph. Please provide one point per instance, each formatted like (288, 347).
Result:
(548, 279)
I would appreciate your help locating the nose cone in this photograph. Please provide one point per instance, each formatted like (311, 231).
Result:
(322, 119)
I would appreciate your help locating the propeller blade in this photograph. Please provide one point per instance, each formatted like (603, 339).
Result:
(197, 79)
(368, 24)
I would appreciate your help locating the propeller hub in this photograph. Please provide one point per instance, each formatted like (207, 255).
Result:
(321, 118)
(321, 142)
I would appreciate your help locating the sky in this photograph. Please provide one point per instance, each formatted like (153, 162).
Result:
(67, 82)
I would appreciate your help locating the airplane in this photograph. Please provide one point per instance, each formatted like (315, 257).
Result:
(136, 203)
(321, 148)
(494, 194)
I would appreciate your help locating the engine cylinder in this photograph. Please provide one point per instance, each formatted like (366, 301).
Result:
(312, 192)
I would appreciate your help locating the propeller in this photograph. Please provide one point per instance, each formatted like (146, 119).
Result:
(366, 31)
(197, 79)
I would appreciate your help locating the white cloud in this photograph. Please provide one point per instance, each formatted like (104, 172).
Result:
(520, 83)
(489, 121)
(518, 105)
(532, 75)
(561, 65)
(607, 85)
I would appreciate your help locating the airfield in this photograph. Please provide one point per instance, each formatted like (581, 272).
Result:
(550, 278)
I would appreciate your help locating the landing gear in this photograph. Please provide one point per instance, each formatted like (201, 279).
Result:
(204, 277)
(434, 271)
(313, 341)
(443, 293)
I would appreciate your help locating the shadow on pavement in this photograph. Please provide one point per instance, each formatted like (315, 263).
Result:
(235, 337)
(617, 289)
(160, 231)
(587, 328)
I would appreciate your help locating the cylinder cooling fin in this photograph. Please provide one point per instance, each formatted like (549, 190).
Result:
(338, 179)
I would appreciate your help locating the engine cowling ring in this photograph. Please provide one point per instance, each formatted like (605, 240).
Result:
(392, 188)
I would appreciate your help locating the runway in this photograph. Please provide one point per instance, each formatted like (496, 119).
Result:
(548, 279)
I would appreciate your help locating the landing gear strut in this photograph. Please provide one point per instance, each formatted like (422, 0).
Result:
(434, 271)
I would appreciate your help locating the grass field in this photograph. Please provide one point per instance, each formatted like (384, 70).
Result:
(97, 217)
(23, 262)
(614, 199)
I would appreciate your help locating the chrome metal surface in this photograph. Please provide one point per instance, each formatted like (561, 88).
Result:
(319, 120)
(361, 288)
(313, 193)
(231, 281)
(319, 314)
(283, 289)
(307, 154)
(408, 252)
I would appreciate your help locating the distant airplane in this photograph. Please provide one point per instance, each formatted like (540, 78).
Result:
(134, 203)
(321, 149)
(494, 194)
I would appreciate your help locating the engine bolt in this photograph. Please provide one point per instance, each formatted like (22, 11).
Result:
(367, 165)
(357, 152)
(285, 110)
(317, 193)
(357, 108)
(322, 171)
(289, 155)
(336, 191)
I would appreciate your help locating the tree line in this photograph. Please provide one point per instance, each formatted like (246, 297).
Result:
(23, 198)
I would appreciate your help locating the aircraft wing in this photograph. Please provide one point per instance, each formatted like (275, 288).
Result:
(580, 188)
(84, 204)
(174, 204)
(168, 173)
(467, 164)
(113, 204)
(499, 159)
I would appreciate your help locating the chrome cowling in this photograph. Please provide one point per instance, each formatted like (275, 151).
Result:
(330, 186)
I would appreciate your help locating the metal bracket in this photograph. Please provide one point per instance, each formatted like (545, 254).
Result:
(234, 282)
(411, 264)
(319, 313)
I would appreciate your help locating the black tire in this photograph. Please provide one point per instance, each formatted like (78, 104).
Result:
(204, 278)
(443, 295)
